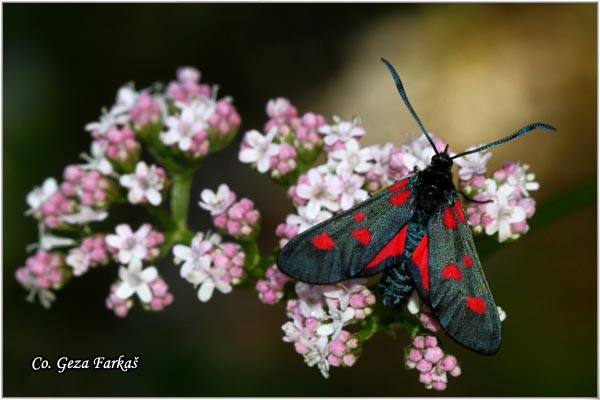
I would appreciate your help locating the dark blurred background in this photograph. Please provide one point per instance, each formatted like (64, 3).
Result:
(473, 72)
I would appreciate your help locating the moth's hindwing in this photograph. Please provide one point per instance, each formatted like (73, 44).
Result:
(359, 242)
(459, 294)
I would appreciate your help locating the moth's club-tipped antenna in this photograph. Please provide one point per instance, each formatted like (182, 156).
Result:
(406, 102)
(515, 135)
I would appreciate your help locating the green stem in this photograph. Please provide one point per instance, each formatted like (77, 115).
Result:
(180, 199)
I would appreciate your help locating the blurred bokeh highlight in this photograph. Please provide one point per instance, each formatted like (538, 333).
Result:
(473, 72)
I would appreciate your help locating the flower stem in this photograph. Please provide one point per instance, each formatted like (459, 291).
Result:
(180, 199)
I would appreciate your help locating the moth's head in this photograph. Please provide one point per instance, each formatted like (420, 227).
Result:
(442, 161)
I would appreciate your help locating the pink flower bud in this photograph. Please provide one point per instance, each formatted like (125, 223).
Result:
(334, 360)
(300, 348)
(312, 323)
(431, 341)
(414, 355)
(337, 347)
(424, 365)
(349, 360)
(426, 378)
(419, 342)
(433, 354)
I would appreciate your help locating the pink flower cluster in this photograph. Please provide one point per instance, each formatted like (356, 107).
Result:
(120, 306)
(210, 264)
(161, 297)
(342, 350)
(187, 87)
(284, 161)
(286, 232)
(502, 203)
(270, 290)
(43, 270)
(241, 220)
(303, 132)
(145, 111)
(230, 258)
(54, 208)
(223, 124)
(429, 359)
(289, 138)
(90, 187)
(92, 252)
(120, 144)
(318, 317)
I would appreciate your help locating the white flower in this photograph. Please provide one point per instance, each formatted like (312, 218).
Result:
(261, 149)
(126, 99)
(135, 281)
(198, 268)
(472, 164)
(317, 347)
(131, 245)
(145, 184)
(381, 156)
(39, 195)
(501, 313)
(192, 120)
(352, 158)
(211, 280)
(321, 190)
(97, 160)
(85, 215)
(414, 303)
(218, 202)
(352, 192)
(106, 123)
(317, 353)
(310, 302)
(192, 256)
(341, 131)
(305, 219)
(79, 260)
(502, 216)
(421, 150)
(47, 241)
(521, 180)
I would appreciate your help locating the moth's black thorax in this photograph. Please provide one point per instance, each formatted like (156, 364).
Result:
(435, 180)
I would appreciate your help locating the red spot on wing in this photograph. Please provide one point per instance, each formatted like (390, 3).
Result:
(398, 185)
(467, 261)
(362, 235)
(459, 211)
(323, 241)
(359, 216)
(399, 198)
(393, 248)
(451, 271)
(449, 220)
(421, 259)
(476, 304)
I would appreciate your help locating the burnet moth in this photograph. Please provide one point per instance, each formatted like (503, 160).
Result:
(416, 234)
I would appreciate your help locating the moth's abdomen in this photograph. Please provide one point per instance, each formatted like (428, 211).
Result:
(395, 285)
